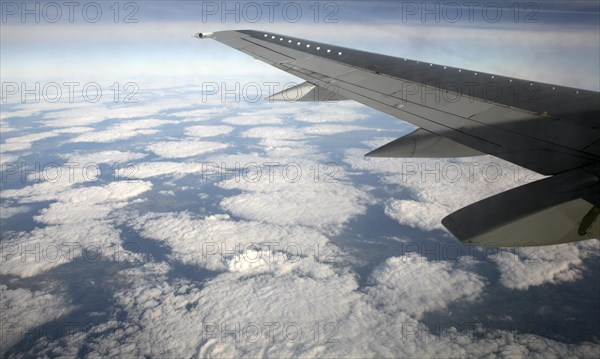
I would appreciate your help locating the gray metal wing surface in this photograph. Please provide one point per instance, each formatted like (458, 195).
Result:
(550, 129)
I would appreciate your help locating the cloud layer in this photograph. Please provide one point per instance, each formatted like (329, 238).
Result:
(273, 258)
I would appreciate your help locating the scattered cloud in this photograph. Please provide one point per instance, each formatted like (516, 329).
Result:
(28, 254)
(5, 127)
(527, 267)
(414, 285)
(301, 309)
(343, 111)
(22, 110)
(77, 221)
(91, 202)
(197, 115)
(328, 129)
(161, 168)
(22, 310)
(9, 211)
(82, 116)
(5, 158)
(184, 148)
(425, 216)
(296, 194)
(220, 243)
(49, 187)
(438, 187)
(24, 142)
(122, 131)
(278, 133)
(253, 119)
(208, 131)
(111, 157)
(86, 114)
(75, 129)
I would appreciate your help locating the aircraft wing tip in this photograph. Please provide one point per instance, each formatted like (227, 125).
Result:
(202, 35)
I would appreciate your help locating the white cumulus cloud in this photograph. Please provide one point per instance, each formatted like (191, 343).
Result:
(77, 220)
(22, 310)
(184, 148)
(526, 267)
(122, 131)
(207, 131)
(414, 285)
(24, 142)
(112, 156)
(297, 194)
(219, 243)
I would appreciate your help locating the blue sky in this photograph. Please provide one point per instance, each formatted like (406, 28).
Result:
(553, 42)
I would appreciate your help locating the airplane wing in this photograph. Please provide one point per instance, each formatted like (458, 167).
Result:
(550, 129)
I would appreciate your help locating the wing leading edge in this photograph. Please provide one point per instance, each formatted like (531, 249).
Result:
(550, 129)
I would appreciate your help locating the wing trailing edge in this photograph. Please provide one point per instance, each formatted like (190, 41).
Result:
(307, 92)
(423, 144)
